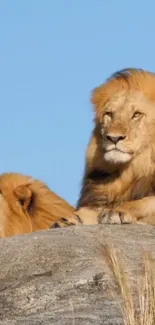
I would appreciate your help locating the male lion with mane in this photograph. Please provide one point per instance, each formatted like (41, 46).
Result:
(28, 205)
(119, 180)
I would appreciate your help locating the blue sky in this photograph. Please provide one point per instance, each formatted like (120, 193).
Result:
(52, 53)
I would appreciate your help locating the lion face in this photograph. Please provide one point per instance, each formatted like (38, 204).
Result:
(127, 126)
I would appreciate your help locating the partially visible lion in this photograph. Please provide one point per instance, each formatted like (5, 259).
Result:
(119, 180)
(27, 205)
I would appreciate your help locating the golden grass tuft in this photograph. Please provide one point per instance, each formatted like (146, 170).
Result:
(143, 312)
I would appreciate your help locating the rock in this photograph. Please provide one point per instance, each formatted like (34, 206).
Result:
(61, 276)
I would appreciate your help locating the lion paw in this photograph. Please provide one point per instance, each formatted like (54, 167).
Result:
(108, 216)
(66, 222)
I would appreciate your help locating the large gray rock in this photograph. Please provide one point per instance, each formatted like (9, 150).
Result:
(61, 276)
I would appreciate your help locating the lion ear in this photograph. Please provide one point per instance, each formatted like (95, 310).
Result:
(24, 196)
(96, 95)
(99, 97)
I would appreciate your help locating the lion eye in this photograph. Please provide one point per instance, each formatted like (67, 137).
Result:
(108, 114)
(136, 115)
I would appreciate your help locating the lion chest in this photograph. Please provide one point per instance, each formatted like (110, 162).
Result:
(109, 191)
(135, 190)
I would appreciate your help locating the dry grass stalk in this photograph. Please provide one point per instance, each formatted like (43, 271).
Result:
(144, 313)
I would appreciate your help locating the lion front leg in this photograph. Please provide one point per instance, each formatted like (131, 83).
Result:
(109, 216)
(131, 212)
(84, 215)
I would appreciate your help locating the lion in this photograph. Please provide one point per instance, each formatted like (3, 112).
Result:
(28, 205)
(118, 185)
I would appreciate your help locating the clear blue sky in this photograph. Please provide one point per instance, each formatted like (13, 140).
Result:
(52, 53)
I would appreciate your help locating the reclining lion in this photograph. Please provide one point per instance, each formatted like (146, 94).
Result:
(119, 179)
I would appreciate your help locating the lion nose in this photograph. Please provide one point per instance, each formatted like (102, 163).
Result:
(115, 139)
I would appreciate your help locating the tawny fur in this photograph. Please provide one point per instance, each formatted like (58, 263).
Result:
(28, 205)
(119, 179)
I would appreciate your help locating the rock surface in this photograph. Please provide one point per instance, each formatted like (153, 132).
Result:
(61, 276)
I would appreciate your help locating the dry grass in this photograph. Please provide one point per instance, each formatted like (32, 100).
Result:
(144, 313)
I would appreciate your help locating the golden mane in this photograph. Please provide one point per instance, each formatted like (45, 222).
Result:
(28, 205)
(124, 80)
